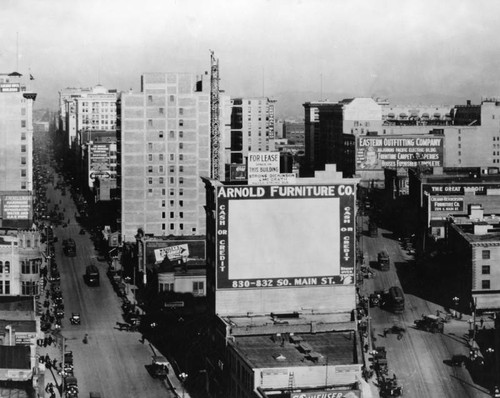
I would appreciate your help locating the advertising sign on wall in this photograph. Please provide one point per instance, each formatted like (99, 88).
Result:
(447, 203)
(461, 189)
(376, 153)
(327, 394)
(16, 207)
(261, 166)
(279, 236)
(100, 162)
(237, 172)
(157, 249)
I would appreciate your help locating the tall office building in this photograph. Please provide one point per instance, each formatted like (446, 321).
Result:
(164, 140)
(251, 129)
(16, 151)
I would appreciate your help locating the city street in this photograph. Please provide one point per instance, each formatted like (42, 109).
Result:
(420, 358)
(113, 362)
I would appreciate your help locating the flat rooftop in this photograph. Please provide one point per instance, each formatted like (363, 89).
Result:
(20, 326)
(269, 351)
(14, 357)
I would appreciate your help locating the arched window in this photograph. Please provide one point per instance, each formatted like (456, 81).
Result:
(6, 268)
(1, 267)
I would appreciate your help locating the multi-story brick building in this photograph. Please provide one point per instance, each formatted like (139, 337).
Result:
(164, 144)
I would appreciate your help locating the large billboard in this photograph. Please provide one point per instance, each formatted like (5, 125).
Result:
(16, 207)
(377, 153)
(457, 188)
(177, 251)
(447, 203)
(100, 165)
(262, 166)
(278, 236)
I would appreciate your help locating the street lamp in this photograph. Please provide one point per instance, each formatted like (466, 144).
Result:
(183, 376)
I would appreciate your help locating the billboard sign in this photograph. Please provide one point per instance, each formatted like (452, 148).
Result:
(157, 249)
(237, 172)
(461, 189)
(447, 203)
(261, 166)
(100, 161)
(327, 394)
(377, 153)
(16, 207)
(177, 252)
(279, 236)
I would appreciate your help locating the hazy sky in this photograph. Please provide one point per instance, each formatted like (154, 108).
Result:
(390, 48)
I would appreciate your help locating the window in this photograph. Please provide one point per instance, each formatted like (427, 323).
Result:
(160, 134)
(181, 134)
(181, 111)
(172, 98)
(171, 226)
(23, 148)
(181, 226)
(181, 157)
(181, 145)
(181, 215)
(162, 214)
(181, 203)
(172, 157)
(25, 267)
(485, 284)
(198, 288)
(161, 157)
(161, 180)
(6, 267)
(485, 269)
(171, 203)
(163, 191)
(23, 136)
(23, 185)
(150, 146)
(150, 169)
(171, 169)
(23, 172)
(486, 254)
(1, 267)
(160, 169)
(163, 227)
(181, 169)
(23, 160)
(181, 180)
(166, 287)
(7, 287)
(150, 181)
(150, 122)
(172, 180)
(181, 122)
(163, 203)
(23, 123)
(150, 98)
(161, 111)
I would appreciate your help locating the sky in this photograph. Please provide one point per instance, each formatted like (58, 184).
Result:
(307, 49)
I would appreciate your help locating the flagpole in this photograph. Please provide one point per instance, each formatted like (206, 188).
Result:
(17, 51)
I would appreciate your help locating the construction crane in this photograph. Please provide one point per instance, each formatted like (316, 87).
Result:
(214, 117)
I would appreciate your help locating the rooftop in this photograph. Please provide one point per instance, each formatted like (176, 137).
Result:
(14, 357)
(20, 326)
(269, 351)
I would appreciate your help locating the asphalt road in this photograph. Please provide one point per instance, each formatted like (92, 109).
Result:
(113, 362)
(419, 358)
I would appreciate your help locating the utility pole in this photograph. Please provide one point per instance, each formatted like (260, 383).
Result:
(214, 117)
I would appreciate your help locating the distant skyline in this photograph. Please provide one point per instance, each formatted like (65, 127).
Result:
(441, 50)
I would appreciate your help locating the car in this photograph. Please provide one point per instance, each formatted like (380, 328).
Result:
(75, 318)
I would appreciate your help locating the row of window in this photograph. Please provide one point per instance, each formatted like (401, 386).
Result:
(198, 288)
(4, 287)
(5, 267)
(161, 180)
(161, 169)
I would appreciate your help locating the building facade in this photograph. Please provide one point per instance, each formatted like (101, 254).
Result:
(20, 262)
(475, 242)
(16, 151)
(164, 145)
(251, 128)
(280, 285)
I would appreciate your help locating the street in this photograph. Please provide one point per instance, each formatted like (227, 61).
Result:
(113, 362)
(420, 358)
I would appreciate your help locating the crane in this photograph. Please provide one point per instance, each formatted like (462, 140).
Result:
(214, 118)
